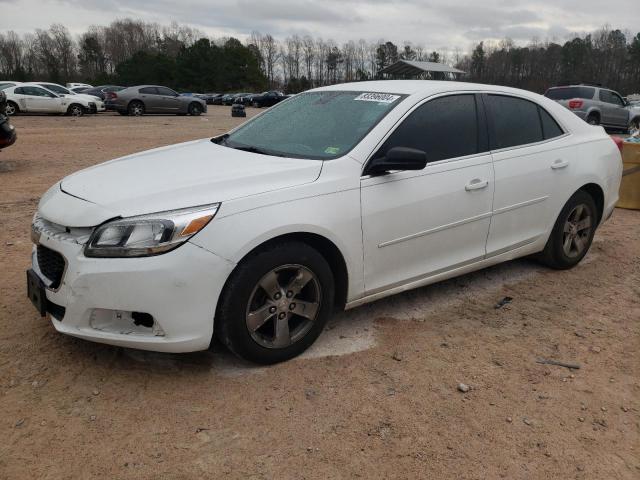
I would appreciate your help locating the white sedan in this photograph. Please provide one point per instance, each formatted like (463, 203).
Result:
(331, 199)
(63, 91)
(31, 98)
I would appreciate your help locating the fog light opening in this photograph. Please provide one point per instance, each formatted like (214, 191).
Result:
(142, 319)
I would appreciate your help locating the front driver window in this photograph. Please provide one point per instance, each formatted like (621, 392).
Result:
(446, 127)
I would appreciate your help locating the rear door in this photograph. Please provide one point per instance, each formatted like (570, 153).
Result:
(528, 170)
(416, 224)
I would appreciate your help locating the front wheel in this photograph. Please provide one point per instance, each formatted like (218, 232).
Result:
(276, 303)
(75, 110)
(572, 233)
(195, 109)
(635, 124)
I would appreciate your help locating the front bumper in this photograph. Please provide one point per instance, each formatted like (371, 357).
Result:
(97, 296)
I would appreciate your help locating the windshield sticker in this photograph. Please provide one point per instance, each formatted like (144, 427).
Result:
(332, 150)
(377, 97)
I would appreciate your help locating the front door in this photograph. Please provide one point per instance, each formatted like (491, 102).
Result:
(420, 223)
(40, 100)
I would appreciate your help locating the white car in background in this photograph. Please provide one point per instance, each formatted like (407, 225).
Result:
(73, 85)
(333, 198)
(32, 98)
(63, 91)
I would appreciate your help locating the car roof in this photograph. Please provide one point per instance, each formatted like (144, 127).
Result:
(419, 87)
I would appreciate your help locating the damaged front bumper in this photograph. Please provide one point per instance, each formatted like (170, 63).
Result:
(162, 303)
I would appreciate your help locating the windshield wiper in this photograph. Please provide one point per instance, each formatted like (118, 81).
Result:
(253, 149)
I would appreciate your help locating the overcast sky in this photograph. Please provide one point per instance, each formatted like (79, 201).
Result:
(434, 24)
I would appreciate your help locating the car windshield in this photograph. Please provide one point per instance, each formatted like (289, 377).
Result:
(566, 93)
(6, 85)
(313, 125)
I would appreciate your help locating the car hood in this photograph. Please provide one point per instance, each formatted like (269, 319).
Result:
(185, 175)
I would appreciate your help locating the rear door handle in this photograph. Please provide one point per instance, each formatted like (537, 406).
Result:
(559, 164)
(476, 184)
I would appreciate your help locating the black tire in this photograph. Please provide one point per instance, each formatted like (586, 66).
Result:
(75, 110)
(635, 124)
(136, 108)
(12, 109)
(554, 254)
(239, 293)
(195, 109)
(593, 119)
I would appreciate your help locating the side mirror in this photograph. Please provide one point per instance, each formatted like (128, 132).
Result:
(398, 158)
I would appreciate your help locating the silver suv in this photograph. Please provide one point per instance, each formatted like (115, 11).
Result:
(596, 105)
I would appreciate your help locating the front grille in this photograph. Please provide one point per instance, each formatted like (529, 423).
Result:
(51, 264)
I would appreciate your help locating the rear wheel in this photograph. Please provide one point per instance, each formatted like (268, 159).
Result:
(635, 124)
(75, 110)
(195, 109)
(572, 233)
(276, 303)
(593, 119)
(136, 108)
(12, 109)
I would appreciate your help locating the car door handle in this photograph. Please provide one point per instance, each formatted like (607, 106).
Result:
(476, 184)
(559, 164)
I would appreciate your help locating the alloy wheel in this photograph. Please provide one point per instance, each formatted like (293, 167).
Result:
(283, 306)
(10, 110)
(76, 111)
(577, 230)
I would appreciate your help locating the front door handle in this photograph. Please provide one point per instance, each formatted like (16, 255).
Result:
(476, 184)
(557, 164)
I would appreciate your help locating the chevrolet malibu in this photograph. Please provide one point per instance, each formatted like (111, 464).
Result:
(331, 199)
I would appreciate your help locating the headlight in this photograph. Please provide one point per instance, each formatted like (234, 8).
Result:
(147, 235)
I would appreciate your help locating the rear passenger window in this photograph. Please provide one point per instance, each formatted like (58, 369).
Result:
(446, 127)
(149, 90)
(550, 127)
(515, 121)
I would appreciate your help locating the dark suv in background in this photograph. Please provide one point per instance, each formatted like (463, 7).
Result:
(595, 105)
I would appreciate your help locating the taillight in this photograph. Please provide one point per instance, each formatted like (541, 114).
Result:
(573, 104)
(618, 141)
(111, 95)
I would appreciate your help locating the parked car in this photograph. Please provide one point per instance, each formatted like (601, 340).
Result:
(209, 97)
(268, 99)
(72, 85)
(595, 105)
(337, 197)
(145, 99)
(79, 89)
(102, 90)
(97, 103)
(230, 99)
(32, 98)
(218, 99)
(8, 133)
(7, 83)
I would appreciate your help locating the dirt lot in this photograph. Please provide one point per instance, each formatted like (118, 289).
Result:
(375, 398)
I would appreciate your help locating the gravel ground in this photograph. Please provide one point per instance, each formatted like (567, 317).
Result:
(376, 397)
